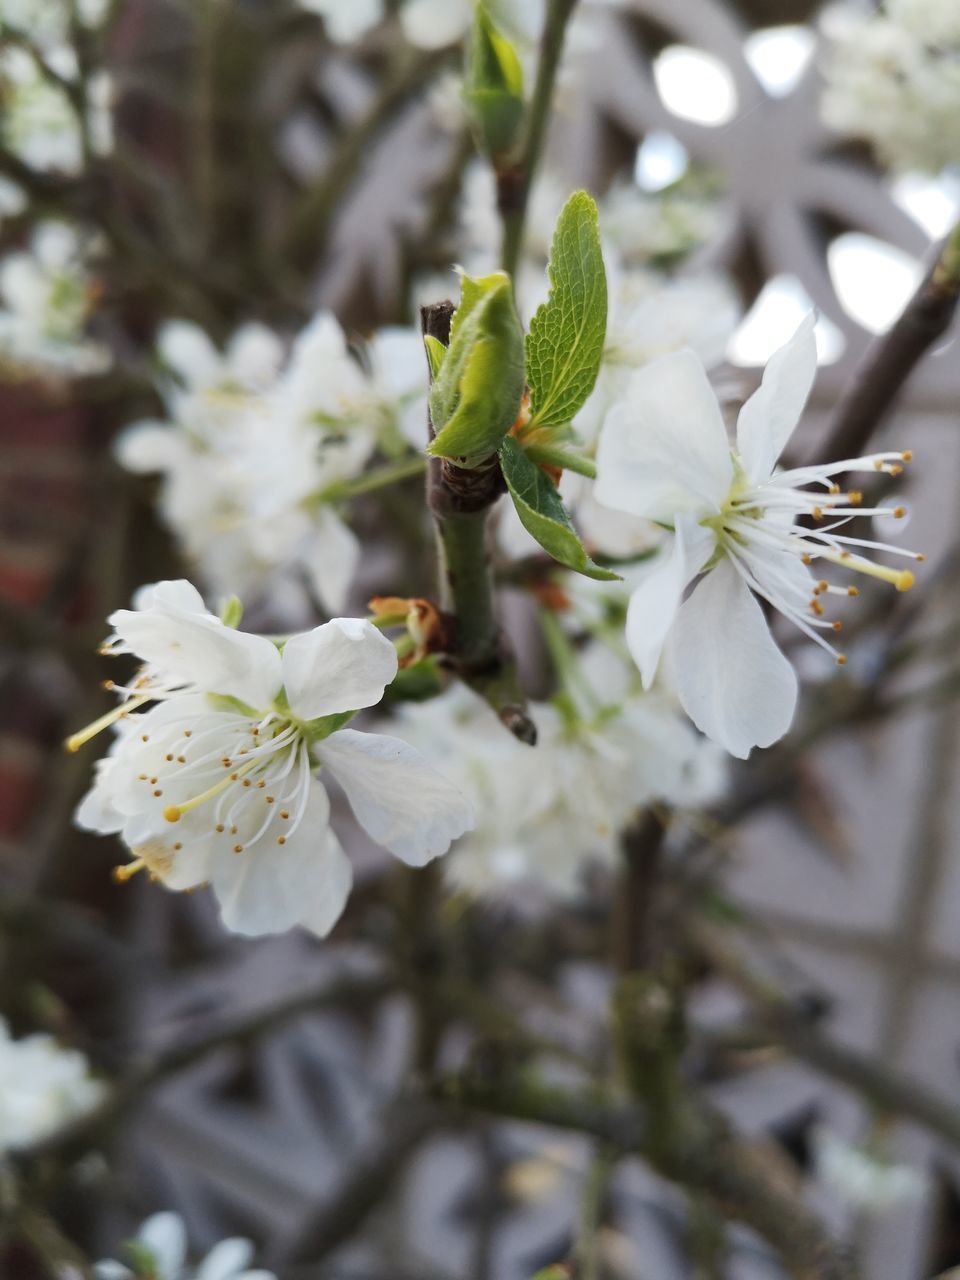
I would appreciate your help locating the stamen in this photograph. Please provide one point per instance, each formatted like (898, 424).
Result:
(76, 740)
(902, 579)
(174, 812)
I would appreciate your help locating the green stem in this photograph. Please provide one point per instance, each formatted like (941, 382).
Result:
(467, 586)
(379, 478)
(514, 185)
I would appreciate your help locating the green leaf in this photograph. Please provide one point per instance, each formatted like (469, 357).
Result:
(565, 342)
(543, 514)
(493, 86)
(475, 396)
(436, 352)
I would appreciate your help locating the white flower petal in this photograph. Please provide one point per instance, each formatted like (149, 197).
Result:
(149, 446)
(166, 1238)
(270, 887)
(733, 681)
(343, 665)
(663, 448)
(203, 651)
(330, 559)
(396, 796)
(657, 597)
(189, 353)
(225, 1260)
(768, 418)
(175, 594)
(431, 24)
(254, 355)
(109, 1270)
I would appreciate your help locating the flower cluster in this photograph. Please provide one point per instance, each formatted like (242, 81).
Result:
(893, 78)
(211, 777)
(159, 1252)
(255, 451)
(42, 1086)
(47, 294)
(42, 123)
(605, 751)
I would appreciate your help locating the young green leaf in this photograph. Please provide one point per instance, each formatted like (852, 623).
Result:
(565, 342)
(543, 514)
(493, 86)
(475, 396)
(436, 353)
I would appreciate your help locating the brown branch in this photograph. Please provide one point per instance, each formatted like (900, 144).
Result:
(706, 1156)
(780, 1022)
(892, 357)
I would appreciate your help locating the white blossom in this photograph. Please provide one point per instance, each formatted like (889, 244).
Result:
(39, 123)
(42, 1086)
(862, 1180)
(543, 812)
(251, 449)
(47, 294)
(893, 78)
(159, 1252)
(346, 20)
(212, 774)
(664, 455)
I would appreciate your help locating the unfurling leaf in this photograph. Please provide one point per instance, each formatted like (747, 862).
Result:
(542, 512)
(493, 86)
(565, 342)
(476, 392)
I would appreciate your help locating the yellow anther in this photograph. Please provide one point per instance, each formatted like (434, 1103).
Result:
(238, 848)
(172, 813)
(907, 455)
(854, 498)
(853, 591)
(899, 513)
(837, 626)
(281, 839)
(841, 659)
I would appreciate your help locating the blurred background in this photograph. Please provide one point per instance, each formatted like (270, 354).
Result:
(263, 165)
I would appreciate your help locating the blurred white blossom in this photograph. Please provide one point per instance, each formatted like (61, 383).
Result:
(214, 780)
(39, 123)
(893, 78)
(46, 296)
(664, 455)
(159, 1252)
(862, 1180)
(253, 447)
(42, 1086)
(543, 812)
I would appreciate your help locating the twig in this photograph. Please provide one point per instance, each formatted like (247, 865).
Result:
(408, 1123)
(515, 183)
(780, 1022)
(460, 501)
(705, 1156)
(892, 358)
(642, 857)
(350, 992)
(311, 218)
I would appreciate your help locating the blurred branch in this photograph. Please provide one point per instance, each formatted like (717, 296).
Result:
(361, 1188)
(353, 993)
(313, 214)
(705, 1156)
(781, 1022)
(515, 183)
(892, 358)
